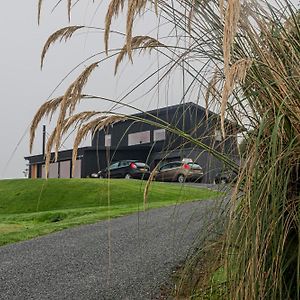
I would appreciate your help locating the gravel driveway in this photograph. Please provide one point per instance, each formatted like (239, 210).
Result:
(84, 263)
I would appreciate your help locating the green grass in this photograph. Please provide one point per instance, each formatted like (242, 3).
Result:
(30, 208)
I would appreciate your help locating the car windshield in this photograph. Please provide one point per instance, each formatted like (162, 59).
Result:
(194, 166)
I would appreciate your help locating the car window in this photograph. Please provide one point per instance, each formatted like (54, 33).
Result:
(164, 167)
(194, 166)
(124, 163)
(141, 165)
(175, 164)
(171, 165)
(114, 166)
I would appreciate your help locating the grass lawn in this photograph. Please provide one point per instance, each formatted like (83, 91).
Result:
(33, 207)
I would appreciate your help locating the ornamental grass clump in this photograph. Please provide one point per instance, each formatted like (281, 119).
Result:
(244, 56)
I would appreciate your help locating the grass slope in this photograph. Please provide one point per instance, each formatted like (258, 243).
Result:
(29, 208)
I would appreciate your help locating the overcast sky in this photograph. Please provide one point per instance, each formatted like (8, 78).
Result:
(24, 87)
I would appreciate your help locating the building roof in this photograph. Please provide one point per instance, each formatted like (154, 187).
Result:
(64, 154)
(188, 105)
(172, 107)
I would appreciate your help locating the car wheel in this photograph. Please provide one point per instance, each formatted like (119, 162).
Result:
(128, 176)
(181, 178)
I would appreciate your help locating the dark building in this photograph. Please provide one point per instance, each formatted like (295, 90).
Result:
(133, 139)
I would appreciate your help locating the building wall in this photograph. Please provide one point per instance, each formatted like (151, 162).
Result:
(59, 169)
(192, 120)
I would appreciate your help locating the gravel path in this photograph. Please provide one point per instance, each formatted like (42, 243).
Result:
(84, 263)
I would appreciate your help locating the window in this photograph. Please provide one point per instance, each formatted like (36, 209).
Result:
(175, 164)
(194, 166)
(170, 165)
(107, 140)
(165, 167)
(124, 163)
(114, 166)
(137, 138)
(141, 165)
(159, 135)
(218, 135)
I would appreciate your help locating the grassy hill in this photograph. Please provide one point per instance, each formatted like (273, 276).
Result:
(29, 208)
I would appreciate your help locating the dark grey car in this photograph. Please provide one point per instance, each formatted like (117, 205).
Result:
(126, 169)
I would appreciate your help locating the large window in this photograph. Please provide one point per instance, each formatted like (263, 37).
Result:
(159, 135)
(218, 135)
(137, 138)
(107, 140)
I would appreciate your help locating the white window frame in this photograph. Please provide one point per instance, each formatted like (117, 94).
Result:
(159, 135)
(107, 140)
(138, 138)
(218, 135)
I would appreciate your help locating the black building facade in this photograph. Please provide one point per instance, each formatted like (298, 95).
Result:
(131, 139)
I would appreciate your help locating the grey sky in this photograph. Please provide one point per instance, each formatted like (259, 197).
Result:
(24, 87)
